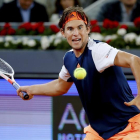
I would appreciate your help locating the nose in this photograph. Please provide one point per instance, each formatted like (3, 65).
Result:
(75, 32)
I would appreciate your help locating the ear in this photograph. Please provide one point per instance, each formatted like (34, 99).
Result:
(62, 32)
(88, 29)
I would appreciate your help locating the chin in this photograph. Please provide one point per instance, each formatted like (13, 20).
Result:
(78, 48)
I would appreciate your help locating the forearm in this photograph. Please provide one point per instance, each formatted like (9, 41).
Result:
(49, 89)
(135, 67)
(128, 60)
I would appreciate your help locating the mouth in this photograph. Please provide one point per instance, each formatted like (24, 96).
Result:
(76, 40)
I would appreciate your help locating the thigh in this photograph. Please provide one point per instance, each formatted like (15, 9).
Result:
(91, 134)
(132, 132)
(132, 136)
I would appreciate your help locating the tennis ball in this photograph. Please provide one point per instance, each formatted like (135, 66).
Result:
(80, 73)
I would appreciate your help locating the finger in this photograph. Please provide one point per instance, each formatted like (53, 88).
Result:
(20, 94)
(30, 97)
(20, 90)
(128, 103)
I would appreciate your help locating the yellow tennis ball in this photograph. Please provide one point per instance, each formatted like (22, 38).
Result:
(80, 73)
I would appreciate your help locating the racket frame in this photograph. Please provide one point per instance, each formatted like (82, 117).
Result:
(11, 80)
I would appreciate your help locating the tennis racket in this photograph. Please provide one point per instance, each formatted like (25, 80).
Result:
(7, 72)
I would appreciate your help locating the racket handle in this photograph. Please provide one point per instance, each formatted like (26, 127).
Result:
(16, 86)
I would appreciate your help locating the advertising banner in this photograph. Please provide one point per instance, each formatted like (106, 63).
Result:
(69, 118)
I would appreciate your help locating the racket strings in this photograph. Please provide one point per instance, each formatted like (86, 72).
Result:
(4, 68)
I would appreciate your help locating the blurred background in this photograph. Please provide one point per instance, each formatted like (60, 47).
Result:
(31, 43)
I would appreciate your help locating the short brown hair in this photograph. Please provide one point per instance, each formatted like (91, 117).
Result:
(67, 11)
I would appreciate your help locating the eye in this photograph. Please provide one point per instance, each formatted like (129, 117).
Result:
(70, 28)
(79, 27)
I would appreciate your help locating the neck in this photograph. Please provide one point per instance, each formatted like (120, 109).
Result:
(79, 52)
(128, 8)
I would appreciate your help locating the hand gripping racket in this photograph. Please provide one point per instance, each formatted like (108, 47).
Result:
(7, 72)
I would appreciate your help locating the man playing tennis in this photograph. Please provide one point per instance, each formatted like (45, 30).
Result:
(112, 111)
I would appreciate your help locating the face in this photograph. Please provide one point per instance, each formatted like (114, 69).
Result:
(128, 2)
(76, 34)
(25, 4)
(66, 3)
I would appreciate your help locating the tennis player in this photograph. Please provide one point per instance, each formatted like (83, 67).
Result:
(113, 112)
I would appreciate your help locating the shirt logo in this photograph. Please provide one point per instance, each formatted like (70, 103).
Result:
(78, 65)
(109, 53)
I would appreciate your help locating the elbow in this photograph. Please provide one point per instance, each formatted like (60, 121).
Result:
(60, 92)
(64, 91)
(134, 60)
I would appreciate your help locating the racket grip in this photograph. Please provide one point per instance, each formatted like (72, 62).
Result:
(16, 86)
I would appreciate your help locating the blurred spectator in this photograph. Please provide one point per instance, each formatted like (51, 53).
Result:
(86, 3)
(121, 11)
(60, 5)
(23, 11)
(1, 2)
